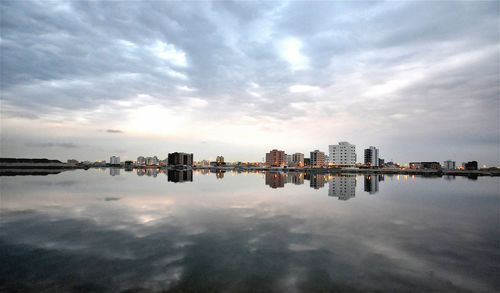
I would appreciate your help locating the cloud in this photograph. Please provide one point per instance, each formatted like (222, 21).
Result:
(113, 131)
(250, 66)
(67, 145)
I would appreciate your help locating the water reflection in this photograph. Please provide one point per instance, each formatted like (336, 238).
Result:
(121, 235)
(114, 171)
(343, 187)
(371, 182)
(179, 176)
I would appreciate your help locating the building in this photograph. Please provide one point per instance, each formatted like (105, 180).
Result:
(152, 161)
(288, 159)
(113, 160)
(141, 160)
(381, 163)
(220, 160)
(298, 159)
(317, 158)
(424, 165)
(72, 162)
(180, 159)
(307, 162)
(342, 154)
(371, 156)
(275, 158)
(472, 165)
(449, 164)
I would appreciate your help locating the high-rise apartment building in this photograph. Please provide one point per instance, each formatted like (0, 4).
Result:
(343, 154)
(371, 156)
(317, 158)
(180, 159)
(113, 160)
(275, 158)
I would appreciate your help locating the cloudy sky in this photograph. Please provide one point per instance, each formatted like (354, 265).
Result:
(87, 80)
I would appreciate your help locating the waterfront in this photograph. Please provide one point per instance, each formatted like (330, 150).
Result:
(105, 230)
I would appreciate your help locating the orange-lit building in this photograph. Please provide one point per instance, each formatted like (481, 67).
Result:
(275, 158)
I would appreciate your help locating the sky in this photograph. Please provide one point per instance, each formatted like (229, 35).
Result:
(89, 79)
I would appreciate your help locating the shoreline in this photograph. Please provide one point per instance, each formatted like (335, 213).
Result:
(26, 168)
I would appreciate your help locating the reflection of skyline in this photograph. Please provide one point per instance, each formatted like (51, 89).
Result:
(316, 181)
(371, 182)
(114, 171)
(275, 179)
(343, 187)
(179, 176)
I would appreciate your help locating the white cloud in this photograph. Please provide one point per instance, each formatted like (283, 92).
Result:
(170, 53)
(302, 88)
(290, 50)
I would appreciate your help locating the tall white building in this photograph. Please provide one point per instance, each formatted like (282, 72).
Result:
(113, 160)
(343, 154)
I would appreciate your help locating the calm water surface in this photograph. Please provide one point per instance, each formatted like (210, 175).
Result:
(114, 231)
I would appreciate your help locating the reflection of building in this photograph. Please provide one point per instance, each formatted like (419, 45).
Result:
(114, 171)
(296, 178)
(275, 179)
(147, 171)
(343, 154)
(371, 156)
(343, 187)
(449, 164)
(179, 176)
(113, 160)
(317, 158)
(219, 174)
(176, 159)
(317, 181)
(371, 183)
(275, 158)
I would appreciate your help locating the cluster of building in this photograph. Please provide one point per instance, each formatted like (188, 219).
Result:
(342, 154)
(448, 165)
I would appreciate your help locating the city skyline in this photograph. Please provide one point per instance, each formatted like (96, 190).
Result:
(87, 80)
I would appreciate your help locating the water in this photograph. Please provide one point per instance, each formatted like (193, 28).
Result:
(114, 231)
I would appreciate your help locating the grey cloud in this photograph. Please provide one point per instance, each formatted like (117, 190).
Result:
(68, 145)
(113, 131)
(79, 56)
